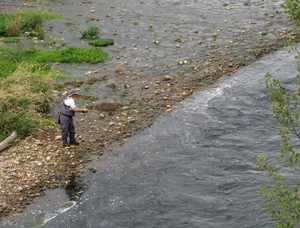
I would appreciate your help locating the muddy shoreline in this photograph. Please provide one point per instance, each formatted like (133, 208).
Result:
(163, 52)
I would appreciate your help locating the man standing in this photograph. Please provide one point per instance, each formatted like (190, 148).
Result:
(66, 114)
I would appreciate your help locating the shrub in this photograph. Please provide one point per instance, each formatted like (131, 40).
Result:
(91, 33)
(13, 25)
(21, 22)
(32, 21)
(292, 8)
(25, 98)
(3, 19)
(282, 198)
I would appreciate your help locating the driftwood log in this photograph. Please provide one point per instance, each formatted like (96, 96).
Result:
(6, 142)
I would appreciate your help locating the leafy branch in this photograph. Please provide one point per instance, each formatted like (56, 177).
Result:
(282, 200)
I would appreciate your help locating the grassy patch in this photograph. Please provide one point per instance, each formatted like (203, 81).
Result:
(91, 33)
(101, 42)
(29, 23)
(27, 77)
(25, 96)
(10, 58)
(68, 55)
(11, 40)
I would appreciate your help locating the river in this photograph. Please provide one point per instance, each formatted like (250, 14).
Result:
(195, 167)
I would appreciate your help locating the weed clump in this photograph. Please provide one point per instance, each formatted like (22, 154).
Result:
(90, 33)
(25, 96)
(101, 42)
(29, 23)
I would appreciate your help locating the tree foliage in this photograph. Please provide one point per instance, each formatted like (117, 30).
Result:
(292, 8)
(282, 199)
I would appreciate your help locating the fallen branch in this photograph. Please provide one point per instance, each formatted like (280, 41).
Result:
(6, 142)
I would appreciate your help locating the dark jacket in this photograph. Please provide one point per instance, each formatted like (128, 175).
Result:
(65, 110)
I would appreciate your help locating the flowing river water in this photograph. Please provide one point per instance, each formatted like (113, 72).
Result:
(195, 166)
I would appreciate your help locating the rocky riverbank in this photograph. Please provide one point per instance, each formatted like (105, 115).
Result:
(163, 52)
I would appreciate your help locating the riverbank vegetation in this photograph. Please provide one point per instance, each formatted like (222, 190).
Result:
(282, 197)
(27, 81)
(26, 96)
(33, 165)
(27, 77)
(292, 9)
(24, 23)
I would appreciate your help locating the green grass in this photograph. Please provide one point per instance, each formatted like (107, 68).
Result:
(91, 33)
(24, 22)
(68, 55)
(27, 77)
(4, 18)
(101, 42)
(11, 40)
(10, 58)
(26, 96)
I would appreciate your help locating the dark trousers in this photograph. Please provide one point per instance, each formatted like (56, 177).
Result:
(67, 129)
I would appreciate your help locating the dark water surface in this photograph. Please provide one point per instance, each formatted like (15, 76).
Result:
(195, 167)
